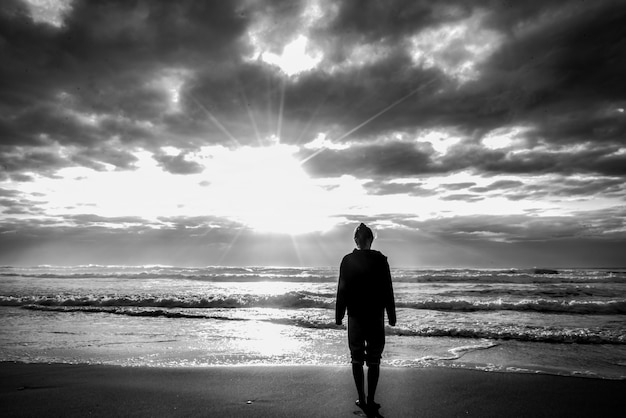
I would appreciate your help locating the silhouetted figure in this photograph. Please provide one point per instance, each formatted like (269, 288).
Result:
(365, 290)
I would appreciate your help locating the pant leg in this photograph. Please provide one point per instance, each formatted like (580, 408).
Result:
(356, 340)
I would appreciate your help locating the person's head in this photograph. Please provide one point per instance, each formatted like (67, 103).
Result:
(363, 237)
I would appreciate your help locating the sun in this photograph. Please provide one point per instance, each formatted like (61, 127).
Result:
(266, 189)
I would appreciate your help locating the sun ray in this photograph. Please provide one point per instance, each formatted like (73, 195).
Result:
(371, 118)
(251, 116)
(311, 119)
(270, 108)
(230, 245)
(215, 120)
(281, 109)
(296, 248)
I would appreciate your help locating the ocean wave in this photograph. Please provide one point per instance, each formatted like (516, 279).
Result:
(299, 299)
(315, 274)
(140, 312)
(518, 333)
(209, 277)
(308, 299)
(521, 333)
(535, 292)
(606, 307)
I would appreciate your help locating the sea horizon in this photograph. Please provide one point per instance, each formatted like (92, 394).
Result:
(294, 266)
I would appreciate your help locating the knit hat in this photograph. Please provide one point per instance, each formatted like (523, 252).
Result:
(363, 232)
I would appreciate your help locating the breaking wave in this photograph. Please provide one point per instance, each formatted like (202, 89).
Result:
(519, 333)
(314, 275)
(306, 299)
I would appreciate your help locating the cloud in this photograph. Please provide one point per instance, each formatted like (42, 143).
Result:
(90, 81)
(565, 187)
(388, 188)
(451, 107)
(177, 164)
(457, 186)
(526, 228)
(465, 197)
(497, 185)
(171, 74)
(393, 158)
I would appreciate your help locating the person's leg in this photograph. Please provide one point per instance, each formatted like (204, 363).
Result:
(374, 351)
(373, 372)
(356, 342)
(359, 381)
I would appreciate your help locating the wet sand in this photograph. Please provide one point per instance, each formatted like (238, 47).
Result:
(59, 390)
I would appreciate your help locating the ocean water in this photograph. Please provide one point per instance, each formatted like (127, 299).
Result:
(569, 323)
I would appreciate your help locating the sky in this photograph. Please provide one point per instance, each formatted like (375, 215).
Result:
(482, 134)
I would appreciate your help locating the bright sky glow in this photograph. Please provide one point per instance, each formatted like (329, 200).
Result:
(321, 142)
(264, 188)
(295, 57)
(505, 137)
(267, 189)
(297, 54)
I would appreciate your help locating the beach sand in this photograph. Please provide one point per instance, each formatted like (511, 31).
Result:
(60, 390)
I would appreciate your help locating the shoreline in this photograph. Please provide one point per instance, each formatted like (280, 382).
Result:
(73, 390)
(471, 367)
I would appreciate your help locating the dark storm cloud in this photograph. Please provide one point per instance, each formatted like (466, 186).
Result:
(568, 187)
(553, 187)
(100, 62)
(94, 156)
(340, 103)
(557, 77)
(603, 224)
(541, 75)
(177, 164)
(390, 19)
(589, 157)
(395, 159)
(16, 160)
(557, 70)
(13, 202)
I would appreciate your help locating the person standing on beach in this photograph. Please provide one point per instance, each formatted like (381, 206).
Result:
(366, 291)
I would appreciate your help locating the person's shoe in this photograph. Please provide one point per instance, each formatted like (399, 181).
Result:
(363, 406)
(373, 408)
(373, 405)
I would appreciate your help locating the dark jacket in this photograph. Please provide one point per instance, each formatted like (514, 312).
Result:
(365, 288)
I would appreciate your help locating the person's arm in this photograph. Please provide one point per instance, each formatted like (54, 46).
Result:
(340, 304)
(390, 303)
